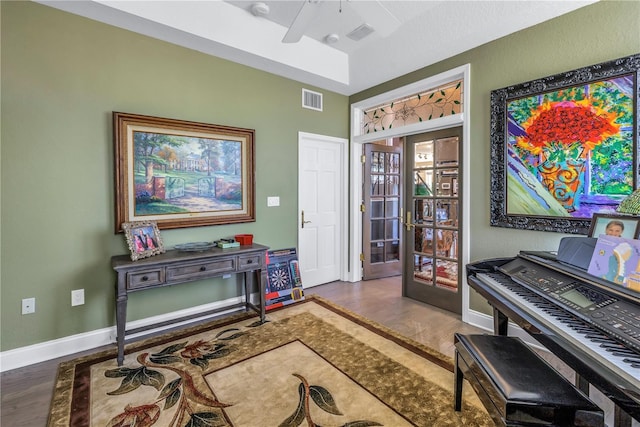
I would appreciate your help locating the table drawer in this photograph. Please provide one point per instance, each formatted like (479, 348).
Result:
(202, 269)
(142, 279)
(249, 262)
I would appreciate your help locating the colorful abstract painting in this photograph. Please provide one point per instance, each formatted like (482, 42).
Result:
(570, 151)
(564, 147)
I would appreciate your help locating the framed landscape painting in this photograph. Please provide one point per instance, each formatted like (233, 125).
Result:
(182, 174)
(564, 147)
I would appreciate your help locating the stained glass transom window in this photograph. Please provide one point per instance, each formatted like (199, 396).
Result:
(432, 104)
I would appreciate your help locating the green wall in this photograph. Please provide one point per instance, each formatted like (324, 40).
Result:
(593, 34)
(62, 76)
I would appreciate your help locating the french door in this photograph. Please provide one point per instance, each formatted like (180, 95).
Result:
(381, 192)
(433, 219)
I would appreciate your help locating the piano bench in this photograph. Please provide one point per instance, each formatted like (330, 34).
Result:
(516, 386)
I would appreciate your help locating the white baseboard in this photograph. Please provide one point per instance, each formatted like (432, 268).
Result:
(24, 356)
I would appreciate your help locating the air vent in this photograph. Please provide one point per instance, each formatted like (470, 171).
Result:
(311, 100)
(361, 32)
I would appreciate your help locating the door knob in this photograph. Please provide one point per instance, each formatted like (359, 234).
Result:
(303, 221)
(408, 222)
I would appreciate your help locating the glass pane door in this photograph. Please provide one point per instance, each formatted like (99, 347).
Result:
(432, 226)
(381, 216)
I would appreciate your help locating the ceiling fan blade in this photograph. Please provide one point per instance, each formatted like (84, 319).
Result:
(301, 21)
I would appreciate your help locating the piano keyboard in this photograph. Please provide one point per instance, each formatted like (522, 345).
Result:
(613, 355)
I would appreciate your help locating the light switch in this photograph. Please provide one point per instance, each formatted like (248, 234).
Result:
(273, 201)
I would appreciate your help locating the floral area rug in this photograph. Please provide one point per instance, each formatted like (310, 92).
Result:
(311, 364)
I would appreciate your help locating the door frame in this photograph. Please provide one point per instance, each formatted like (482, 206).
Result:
(343, 244)
(356, 177)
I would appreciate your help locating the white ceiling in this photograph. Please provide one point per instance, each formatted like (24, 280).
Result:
(408, 35)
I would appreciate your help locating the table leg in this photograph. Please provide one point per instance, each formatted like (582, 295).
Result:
(121, 321)
(247, 289)
(248, 275)
(262, 290)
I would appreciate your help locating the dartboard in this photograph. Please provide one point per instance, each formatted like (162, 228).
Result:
(279, 279)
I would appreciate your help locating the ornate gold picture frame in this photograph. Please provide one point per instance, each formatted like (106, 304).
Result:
(182, 174)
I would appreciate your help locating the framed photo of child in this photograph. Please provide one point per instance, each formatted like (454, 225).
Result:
(143, 238)
(614, 225)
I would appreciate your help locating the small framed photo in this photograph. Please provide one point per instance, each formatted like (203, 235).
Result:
(143, 238)
(614, 225)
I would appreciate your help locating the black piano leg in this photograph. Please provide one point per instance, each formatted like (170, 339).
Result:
(500, 322)
(457, 389)
(621, 418)
(582, 384)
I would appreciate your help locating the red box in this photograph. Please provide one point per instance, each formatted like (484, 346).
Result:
(244, 239)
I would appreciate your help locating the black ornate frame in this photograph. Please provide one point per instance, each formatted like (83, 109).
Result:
(499, 98)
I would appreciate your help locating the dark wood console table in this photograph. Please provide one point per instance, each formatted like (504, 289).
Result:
(174, 267)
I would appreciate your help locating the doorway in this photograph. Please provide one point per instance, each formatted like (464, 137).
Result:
(363, 111)
(382, 198)
(432, 225)
(322, 189)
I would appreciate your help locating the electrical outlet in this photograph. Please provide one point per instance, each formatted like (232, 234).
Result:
(77, 297)
(28, 305)
(273, 201)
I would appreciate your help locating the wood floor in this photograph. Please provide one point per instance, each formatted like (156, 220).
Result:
(381, 300)
(26, 392)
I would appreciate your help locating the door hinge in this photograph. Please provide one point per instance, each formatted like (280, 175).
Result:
(363, 159)
(362, 208)
(361, 257)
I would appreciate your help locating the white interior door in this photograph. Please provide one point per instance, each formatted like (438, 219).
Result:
(321, 211)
